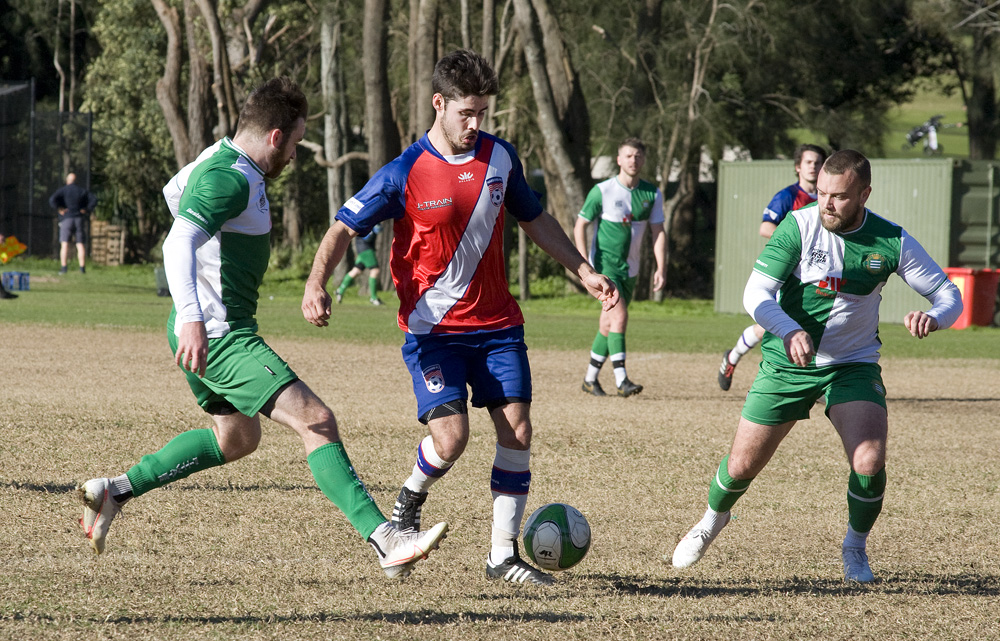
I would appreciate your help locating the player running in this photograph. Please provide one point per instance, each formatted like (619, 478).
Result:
(215, 257)
(808, 160)
(829, 262)
(365, 258)
(621, 207)
(448, 194)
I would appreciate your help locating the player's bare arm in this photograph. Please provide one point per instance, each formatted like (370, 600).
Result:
(546, 232)
(920, 324)
(799, 347)
(660, 255)
(580, 235)
(316, 300)
(767, 229)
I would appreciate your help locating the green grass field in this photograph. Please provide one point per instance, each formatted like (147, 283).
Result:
(252, 550)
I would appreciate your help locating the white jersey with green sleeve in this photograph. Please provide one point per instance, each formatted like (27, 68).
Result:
(622, 215)
(830, 285)
(223, 194)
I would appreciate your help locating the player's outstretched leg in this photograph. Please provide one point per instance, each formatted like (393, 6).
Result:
(399, 551)
(99, 509)
(514, 569)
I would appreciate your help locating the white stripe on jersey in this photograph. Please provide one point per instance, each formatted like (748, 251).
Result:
(452, 284)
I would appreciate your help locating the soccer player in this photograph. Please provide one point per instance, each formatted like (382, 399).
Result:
(621, 207)
(829, 262)
(448, 194)
(808, 160)
(364, 250)
(215, 257)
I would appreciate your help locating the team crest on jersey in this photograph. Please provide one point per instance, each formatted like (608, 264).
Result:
(496, 190)
(434, 379)
(874, 263)
(262, 203)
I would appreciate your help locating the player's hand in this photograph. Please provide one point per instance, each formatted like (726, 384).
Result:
(192, 348)
(316, 304)
(601, 288)
(658, 281)
(799, 348)
(920, 324)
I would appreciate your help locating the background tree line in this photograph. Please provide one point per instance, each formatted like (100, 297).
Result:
(165, 78)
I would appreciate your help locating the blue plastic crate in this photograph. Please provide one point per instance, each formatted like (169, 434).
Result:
(16, 281)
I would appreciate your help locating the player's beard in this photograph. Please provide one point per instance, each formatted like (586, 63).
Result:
(846, 220)
(461, 140)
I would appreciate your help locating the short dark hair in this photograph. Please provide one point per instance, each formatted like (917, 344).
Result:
(802, 149)
(464, 73)
(634, 143)
(840, 162)
(276, 104)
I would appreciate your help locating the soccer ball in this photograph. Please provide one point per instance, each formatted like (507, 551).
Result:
(556, 536)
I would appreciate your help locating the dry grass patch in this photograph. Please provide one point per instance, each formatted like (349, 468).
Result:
(253, 550)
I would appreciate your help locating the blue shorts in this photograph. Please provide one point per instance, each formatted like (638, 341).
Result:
(494, 364)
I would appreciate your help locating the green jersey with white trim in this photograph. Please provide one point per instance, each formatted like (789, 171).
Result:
(831, 282)
(622, 215)
(223, 193)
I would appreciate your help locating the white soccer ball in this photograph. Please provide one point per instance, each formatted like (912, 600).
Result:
(556, 536)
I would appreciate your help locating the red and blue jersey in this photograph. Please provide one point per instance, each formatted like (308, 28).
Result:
(447, 251)
(788, 199)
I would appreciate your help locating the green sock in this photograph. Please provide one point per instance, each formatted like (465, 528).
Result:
(344, 284)
(185, 454)
(725, 490)
(616, 343)
(600, 345)
(372, 288)
(864, 499)
(336, 478)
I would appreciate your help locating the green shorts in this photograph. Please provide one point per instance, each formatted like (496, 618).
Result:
(242, 373)
(366, 260)
(625, 286)
(782, 394)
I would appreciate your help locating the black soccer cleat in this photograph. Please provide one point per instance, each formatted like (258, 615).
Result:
(628, 388)
(594, 389)
(516, 570)
(406, 512)
(726, 372)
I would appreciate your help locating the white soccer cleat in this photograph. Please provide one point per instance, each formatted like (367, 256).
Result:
(399, 551)
(856, 568)
(694, 544)
(99, 509)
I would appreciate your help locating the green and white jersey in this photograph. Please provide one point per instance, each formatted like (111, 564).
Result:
(830, 285)
(221, 193)
(622, 215)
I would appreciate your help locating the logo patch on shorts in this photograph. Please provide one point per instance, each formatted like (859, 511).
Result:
(878, 388)
(434, 379)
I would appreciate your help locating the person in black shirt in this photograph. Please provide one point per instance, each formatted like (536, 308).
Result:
(74, 204)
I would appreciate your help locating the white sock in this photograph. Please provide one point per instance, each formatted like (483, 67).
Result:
(855, 539)
(713, 520)
(618, 360)
(746, 342)
(508, 509)
(596, 361)
(428, 468)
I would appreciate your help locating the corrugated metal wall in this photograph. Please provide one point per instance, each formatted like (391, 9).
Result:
(975, 213)
(916, 194)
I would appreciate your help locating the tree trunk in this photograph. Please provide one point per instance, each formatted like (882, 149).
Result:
(55, 58)
(565, 182)
(333, 91)
(222, 84)
(291, 215)
(383, 136)
(168, 86)
(982, 105)
(199, 86)
(423, 57)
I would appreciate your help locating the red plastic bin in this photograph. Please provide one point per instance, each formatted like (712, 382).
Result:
(979, 293)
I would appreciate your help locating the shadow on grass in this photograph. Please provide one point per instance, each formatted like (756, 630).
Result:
(413, 617)
(56, 488)
(894, 583)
